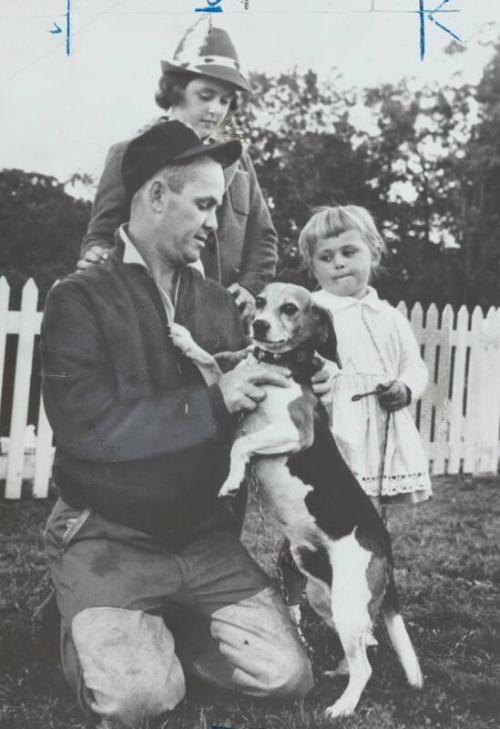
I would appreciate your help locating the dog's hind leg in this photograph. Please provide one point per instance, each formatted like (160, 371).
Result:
(319, 598)
(353, 637)
(350, 599)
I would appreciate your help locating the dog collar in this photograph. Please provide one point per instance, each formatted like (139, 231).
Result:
(262, 355)
(302, 362)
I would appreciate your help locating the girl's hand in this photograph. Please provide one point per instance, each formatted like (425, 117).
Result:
(95, 255)
(393, 395)
(322, 380)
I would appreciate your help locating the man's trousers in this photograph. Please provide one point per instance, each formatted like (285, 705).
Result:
(136, 616)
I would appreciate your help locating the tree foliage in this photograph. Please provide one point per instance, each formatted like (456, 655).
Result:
(425, 161)
(41, 229)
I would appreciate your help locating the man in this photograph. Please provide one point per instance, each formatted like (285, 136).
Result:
(200, 86)
(141, 453)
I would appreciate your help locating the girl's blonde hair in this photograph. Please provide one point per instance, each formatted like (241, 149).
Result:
(332, 221)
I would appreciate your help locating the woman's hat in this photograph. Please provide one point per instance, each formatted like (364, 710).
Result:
(169, 142)
(208, 51)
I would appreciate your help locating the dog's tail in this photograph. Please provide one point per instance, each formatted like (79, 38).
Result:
(399, 637)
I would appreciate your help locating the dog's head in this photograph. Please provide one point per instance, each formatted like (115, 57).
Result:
(286, 318)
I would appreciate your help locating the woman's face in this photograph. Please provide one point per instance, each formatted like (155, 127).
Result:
(205, 104)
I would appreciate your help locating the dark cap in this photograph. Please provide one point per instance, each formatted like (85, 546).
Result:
(169, 142)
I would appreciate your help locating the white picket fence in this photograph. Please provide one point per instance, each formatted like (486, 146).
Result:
(458, 417)
(23, 457)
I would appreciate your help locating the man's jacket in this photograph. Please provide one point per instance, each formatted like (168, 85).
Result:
(139, 437)
(244, 250)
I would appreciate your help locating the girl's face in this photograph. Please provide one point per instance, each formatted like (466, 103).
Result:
(205, 104)
(342, 264)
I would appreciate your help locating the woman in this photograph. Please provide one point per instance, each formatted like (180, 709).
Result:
(200, 87)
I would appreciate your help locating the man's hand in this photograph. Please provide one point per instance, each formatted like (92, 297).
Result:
(322, 381)
(243, 299)
(95, 255)
(240, 387)
(393, 395)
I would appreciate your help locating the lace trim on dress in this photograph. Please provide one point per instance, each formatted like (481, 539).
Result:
(396, 484)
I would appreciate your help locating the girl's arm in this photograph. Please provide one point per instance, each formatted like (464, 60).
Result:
(411, 368)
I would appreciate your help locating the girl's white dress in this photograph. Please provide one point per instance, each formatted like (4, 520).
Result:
(376, 345)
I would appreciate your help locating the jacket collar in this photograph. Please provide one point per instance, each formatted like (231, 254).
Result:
(130, 252)
(132, 255)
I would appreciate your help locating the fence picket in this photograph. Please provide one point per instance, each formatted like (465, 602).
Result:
(488, 396)
(459, 340)
(440, 403)
(416, 322)
(27, 331)
(4, 313)
(44, 454)
(458, 415)
(473, 424)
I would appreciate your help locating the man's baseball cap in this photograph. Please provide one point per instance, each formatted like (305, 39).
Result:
(169, 142)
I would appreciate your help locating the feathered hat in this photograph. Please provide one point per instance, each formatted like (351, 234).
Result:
(208, 51)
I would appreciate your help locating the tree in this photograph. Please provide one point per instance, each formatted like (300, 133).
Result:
(427, 166)
(41, 229)
(480, 193)
(425, 162)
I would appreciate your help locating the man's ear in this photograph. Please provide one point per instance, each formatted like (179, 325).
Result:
(157, 194)
(326, 339)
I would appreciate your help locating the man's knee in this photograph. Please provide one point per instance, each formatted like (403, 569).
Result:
(127, 664)
(259, 641)
(288, 673)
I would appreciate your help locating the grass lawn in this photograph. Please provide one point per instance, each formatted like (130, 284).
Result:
(448, 573)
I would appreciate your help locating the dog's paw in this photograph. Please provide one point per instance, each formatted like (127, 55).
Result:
(181, 337)
(229, 487)
(227, 491)
(342, 707)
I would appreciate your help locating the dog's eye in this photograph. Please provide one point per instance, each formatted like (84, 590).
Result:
(260, 302)
(289, 309)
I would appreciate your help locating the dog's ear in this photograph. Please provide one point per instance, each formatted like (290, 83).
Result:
(326, 339)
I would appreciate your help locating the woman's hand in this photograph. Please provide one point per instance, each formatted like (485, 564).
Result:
(93, 256)
(393, 395)
(243, 299)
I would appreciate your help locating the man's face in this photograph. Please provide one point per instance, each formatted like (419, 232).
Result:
(189, 216)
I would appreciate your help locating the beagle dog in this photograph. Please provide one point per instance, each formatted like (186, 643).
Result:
(336, 536)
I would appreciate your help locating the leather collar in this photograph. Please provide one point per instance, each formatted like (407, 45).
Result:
(302, 362)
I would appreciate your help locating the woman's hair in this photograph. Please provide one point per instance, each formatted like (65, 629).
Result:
(333, 221)
(172, 85)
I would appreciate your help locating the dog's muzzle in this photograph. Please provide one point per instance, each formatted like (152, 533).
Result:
(260, 328)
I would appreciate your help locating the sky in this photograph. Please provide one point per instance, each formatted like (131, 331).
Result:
(59, 113)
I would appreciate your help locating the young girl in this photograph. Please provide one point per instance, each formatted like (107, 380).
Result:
(382, 371)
